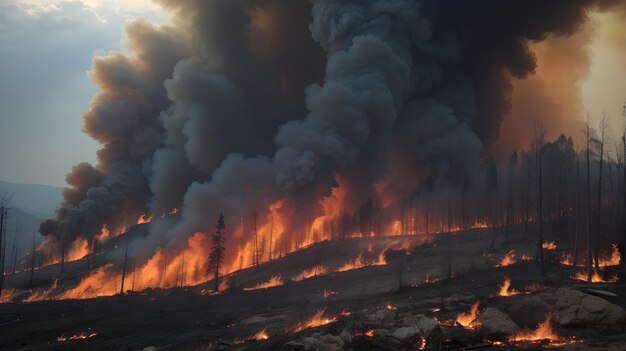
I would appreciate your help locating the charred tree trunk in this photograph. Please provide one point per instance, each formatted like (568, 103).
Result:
(589, 253)
(577, 213)
(124, 269)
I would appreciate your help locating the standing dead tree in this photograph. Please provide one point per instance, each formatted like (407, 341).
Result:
(588, 152)
(216, 259)
(539, 141)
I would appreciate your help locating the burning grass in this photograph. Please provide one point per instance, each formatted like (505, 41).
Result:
(544, 334)
(316, 320)
(468, 320)
(549, 245)
(274, 281)
(310, 273)
(508, 259)
(81, 336)
(260, 335)
(595, 277)
(505, 288)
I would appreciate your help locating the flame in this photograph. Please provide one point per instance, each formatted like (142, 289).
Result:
(544, 331)
(144, 219)
(566, 259)
(44, 295)
(504, 288)
(306, 274)
(389, 307)
(76, 337)
(595, 277)
(613, 260)
(316, 320)
(274, 281)
(549, 245)
(525, 257)
(508, 259)
(370, 333)
(260, 335)
(468, 320)
(329, 293)
(353, 264)
(345, 313)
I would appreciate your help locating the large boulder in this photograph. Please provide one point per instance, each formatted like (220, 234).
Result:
(425, 326)
(496, 323)
(572, 307)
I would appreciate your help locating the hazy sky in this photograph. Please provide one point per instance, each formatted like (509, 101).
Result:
(46, 47)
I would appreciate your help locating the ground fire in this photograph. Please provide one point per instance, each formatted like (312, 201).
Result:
(319, 175)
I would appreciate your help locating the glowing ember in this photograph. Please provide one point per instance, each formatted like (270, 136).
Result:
(549, 245)
(468, 320)
(613, 260)
(544, 331)
(316, 320)
(44, 295)
(525, 257)
(508, 259)
(345, 312)
(566, 259)
(274, 281)
(329, 293)
(353, 264)
(505, 288)
(389, 307)
(76, 337)
(144, 219)
(261, 335)
(370, 333)
(313, 272)
(595, 278)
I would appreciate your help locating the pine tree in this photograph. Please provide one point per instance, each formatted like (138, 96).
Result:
(216, 259)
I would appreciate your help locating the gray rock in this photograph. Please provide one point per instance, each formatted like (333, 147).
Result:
(496, 323)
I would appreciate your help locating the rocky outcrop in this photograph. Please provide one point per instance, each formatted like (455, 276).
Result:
(496, 323)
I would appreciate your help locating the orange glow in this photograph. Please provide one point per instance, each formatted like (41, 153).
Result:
(566, 259)
(595, 278)
(274, 281)
(505, 288)
(544, 331)
(329, 293)
(144, 219)
(316, 320)
(76, 337)
(308, 273)
(613, 260)
(345, 312)
(44, 295)
(97, 283)
(353, 264)
(549, 245)
(389, 307)
(260, 335)
(525, 257)
(507, 260)
(370, 333)
(468, 320)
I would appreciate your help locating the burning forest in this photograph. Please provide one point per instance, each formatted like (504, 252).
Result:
(336, 175)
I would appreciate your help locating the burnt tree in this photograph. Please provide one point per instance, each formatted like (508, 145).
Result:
(216, 259)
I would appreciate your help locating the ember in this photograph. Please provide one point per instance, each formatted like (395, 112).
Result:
(274, 281)
(505, 288)
(76, 337)
(316, 320)
(549, 245)
(507, 260)
(468, 320)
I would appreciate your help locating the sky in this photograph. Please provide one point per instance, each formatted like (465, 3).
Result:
(46, 48)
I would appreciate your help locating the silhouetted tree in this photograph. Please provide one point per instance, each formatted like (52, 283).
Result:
(216, 259)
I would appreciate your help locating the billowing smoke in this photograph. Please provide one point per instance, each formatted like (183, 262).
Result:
(267, 106)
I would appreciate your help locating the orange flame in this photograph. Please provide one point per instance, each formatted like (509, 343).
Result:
(316, 320)
(505, 288)
(544, 331)
(308, 273)
(468, 320)
(260, 335)
(274, 281)
(549, 245)
(76, 337)
(613, 260)
(508, 259)
(595, 278)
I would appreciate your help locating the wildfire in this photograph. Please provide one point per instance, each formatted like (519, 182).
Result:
(274, 281)
(543, 333)
(260, 335)
(566, 259)
(353, 264)
(76, 337)
(525, 257)
(505, 288)
(144, 219)
(508, 259)
(329, 293)
(549, 245)
(613, 260)
(595, 277)
(468, 320)
(389, 307)
(45, 295)
(309, 273)
(316, 320)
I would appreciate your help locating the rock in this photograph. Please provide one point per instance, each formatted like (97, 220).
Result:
(424, 325)
(318, 342)
(381, 316)
(496, 323)
(572, 307)
(405, 332)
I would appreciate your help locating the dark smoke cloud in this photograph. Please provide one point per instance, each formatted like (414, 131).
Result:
(247, 102)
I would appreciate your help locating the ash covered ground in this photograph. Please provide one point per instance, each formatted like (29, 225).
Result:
(378, 293)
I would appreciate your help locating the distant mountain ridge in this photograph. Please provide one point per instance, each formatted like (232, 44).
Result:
(40, 200)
